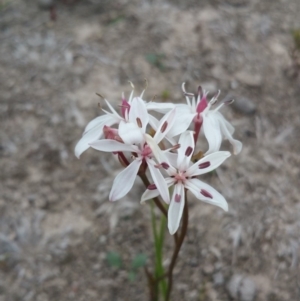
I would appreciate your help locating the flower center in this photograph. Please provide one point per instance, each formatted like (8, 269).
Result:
(180, 176)
(146, 151)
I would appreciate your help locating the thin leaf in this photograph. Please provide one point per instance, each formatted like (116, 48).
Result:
(139, 261)
(131, 276)
(114, 259)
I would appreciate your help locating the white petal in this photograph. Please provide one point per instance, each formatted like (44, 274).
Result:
(176, 208)
(108, 145)
(138, 113)
(150, 194)
(124, 181)
(206, 193)
(212, 131)
(237, 146)
(130, 133)
(93, 134)
(172, 158)
(153, 122)
(207, 163)
(228, 125)
(159, 155)
(159, 181)
(226, 131)
(157, 152)
(186, 150)
(165, 125)
(103, 119)
(159, 107)
(182, 123)
(184, 108)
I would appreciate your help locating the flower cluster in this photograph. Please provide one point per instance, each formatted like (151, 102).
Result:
(166, 148)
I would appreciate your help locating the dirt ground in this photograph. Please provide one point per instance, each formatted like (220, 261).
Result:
(56, 224)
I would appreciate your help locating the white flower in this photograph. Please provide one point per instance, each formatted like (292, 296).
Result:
(182, 175)
(94, 129)
(133, 135)
(215, 126)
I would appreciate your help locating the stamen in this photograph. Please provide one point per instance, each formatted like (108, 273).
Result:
(189, 94)
(215, 98)
(188, 151)
(200, 91)
(131, 84)
(184, 91)
(98, 94)
(204, 165)
(177, 198)
(152, 187)
(164, 126)
(139, 122)
(206, 193)
(229, 102)
(219, 107)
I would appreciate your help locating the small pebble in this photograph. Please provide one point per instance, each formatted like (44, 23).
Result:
(9, 252)
(218, 278)
(242, 288)
(46, 4)
(252, 80)
(244, 105)
(208, 269)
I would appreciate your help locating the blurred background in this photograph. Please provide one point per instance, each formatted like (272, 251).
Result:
(60, 238)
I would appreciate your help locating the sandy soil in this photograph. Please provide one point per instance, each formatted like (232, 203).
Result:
(56, 224)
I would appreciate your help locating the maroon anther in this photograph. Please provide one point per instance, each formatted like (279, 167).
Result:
(229, 102)
(152, 187)
(164, 126)
(188, 151)
(177, 198)
(139, 122)
(165, 165)
(204, 165)
(215, 98)
(206, 193)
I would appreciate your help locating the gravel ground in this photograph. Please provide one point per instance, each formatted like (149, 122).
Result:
(56, 224)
